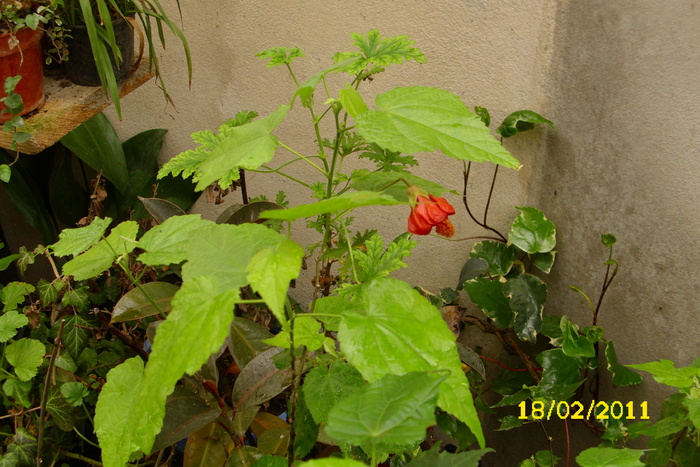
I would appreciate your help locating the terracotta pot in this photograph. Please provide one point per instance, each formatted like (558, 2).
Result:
(80, 67)
(27, 61)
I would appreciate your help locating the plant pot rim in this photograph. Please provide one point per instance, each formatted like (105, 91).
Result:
(27, 38)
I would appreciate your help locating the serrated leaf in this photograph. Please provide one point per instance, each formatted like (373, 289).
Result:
(10, 322)
(101, 256)
(246, 340)
(25, 355)
(306, 332)
(527, 295)
(375, 262)
(167, 243)
(76, 241)
(392, 183)
(665, 372)
(610, 457)
(260, 381)
(136, 303)
(422, 119)
(393, 411)
(532, 232)
(522, 120)
(346, 201)
(74, 393)
(621, 375)
(271, 270)
(305, 428)
(14, 293)
(328, 385)
(509, 422)
(488, 295)
(380, 51)
(499, 256)
(391, 329)
(277, 56)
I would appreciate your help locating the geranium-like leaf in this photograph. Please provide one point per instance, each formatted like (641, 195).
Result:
(391, 329)
(74, 392)
(522, 120)
(349, 200)
(271, 270)
(527, 295)
(13, 294)
(532, 232)
(608, 457)
(422, 119)
(75, 241)
(10, 322)
(277, 56)
(392, 411)
(25, 355)
(101, 256)
(167, 243)
(325, 386)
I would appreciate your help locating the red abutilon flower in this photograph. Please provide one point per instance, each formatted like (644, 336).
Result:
(428, 211)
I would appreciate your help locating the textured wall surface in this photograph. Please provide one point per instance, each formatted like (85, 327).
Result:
(619, 79)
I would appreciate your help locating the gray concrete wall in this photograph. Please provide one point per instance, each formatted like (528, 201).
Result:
(619, 79)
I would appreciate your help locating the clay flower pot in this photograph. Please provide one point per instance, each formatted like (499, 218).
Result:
(25, 60)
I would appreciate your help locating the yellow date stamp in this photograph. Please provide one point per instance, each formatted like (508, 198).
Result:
(598, 410)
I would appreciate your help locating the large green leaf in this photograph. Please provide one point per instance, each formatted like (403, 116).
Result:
(349, 200)
(325, 386)
(532, 232)
(560, 375)
(665, 372)
(168, 242)
(307, 332)
(96, 142)
(76, 241)
(527, 294)
(610, 457)
(488, 295)
(391, 329)
(420, 119)
(100, 257)
(392, 183)
(392, 411)
(25, 355)
(271, 270)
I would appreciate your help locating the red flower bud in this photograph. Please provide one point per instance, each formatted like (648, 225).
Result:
(428, 212)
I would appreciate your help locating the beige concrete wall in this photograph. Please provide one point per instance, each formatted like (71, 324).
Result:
(619, 79)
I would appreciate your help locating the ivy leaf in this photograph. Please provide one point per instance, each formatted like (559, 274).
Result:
(543, 261)
(488, 295)
(270, 272)
(13, 294)
(560, 375)
(77, 298)
(167, 243)
(609, 457)
(75, 241)
(346, 201)
(532, 232)
(665, 372)
(10, 322)
(527, 294)
(25, 355)
(328, 385)
(48, 291)
(101, 256)
(75, 335)
(61, 410)
(380, 51)
(375, 262)
(392, 411)
(280, 55)
(499, 256)
(423, 119)
(522, 120)
(22, 450)
(574, 344)
(391, 329)
(621, 375)
(74, 393)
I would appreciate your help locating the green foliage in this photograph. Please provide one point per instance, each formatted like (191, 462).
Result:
(377, 52)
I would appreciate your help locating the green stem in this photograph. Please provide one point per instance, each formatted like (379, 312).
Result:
(81, 458)
(304, 158)
(271, 170)
(84, 438)
(352, 258)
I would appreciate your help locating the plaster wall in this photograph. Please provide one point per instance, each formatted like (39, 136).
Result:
(619, 79)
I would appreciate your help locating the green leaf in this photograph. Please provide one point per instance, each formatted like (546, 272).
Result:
(76, 241)
(375, 262)
(446, 459)
(306, 332)
(25, 355)
(621, 375)
(22, 450)
(74, 393)
(5, 173)
(245, 213)
(96, 142)
(392, 183)
(693, 405)
(380, 51)
(532, 232)
(19, 391)
(141, 155)
(659, 453)
(101, 256)
(161, 209)
(271, 270)
(246, 341)
(608, 239)
(392, 411)
(499, 256)
(488, 295)
(135, 304)
(326, 386)
(665, 372)
(391, 329)
(509, 422)
(260, 381)
(10, 322)
(305, 428)
(522, 120)
(543, 261)
(687, 453)
(75, 335)
(77, 298)
(280, 55)
(560, 376)
(114, 409)
(349, 200)
(48, 291)
(472, 268)
(168, 242)
(7, 261)
(483, 114)
(352, 101)
(610, 457)
(388, 161)
(575, 344)
(422, 119)
(62, 411)
(332, 462)
(14, 293)
(527, 294)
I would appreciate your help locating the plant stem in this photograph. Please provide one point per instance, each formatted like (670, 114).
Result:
(304, 158)
(81, 458)
(45, 395)
(467, 170)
